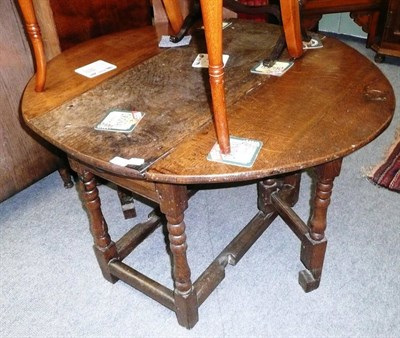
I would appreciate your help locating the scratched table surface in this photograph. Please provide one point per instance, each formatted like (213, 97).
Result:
(330, 103)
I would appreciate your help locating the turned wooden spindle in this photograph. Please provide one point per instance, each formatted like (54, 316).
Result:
(173, 203)
(212, 20)
(178, 246)
(313, 250)
(104, 247)
(321, 203)
(33, 30)
(326, 174)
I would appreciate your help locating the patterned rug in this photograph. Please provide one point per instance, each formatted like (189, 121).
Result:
(387, 174)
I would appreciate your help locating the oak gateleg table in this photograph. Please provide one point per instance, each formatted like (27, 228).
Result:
(332, 102)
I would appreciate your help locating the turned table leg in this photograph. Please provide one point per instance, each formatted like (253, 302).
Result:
(104, 248)
(313, 249)
(173, 202)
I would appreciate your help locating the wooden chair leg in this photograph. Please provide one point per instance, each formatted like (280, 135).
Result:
(290, 11)
(174, 14)
(212, 19)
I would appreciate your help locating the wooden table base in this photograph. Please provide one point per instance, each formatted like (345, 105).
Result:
(276, 197)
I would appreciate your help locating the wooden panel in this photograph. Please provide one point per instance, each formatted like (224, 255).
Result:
(78, 20)
(337, 6)
(23, 160)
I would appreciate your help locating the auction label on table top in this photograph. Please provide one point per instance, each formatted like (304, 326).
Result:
(120, 121)
(243, 153)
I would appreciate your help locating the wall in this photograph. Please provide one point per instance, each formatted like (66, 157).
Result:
(341, 23)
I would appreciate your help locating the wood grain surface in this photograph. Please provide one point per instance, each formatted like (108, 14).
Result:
(330, 103)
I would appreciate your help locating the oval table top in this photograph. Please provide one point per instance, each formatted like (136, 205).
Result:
(330, 103)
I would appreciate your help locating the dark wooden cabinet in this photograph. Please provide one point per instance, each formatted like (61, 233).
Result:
(388, 33)
(365, 13)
